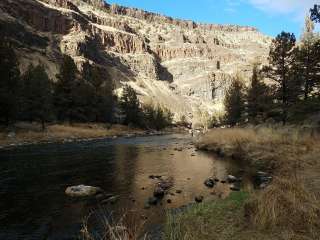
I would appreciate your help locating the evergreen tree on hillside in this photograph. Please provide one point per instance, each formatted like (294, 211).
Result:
(64, 98)
(103, 99)
(258, 97)
(36, 95)
(281, 59)
(234, 103)
(131, 106)
(157, 117)
(9, 82)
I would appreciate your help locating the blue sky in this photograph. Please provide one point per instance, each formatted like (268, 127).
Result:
(269, 16)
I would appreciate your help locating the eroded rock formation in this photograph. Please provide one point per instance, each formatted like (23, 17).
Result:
(166, 60)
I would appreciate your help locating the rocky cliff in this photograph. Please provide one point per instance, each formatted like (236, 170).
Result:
(183, 65)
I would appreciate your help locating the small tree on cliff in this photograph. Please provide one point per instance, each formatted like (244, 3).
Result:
(9, 83)
(36, 95)
(131, 106)
(234, 102)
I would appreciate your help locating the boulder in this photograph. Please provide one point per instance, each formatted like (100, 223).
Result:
(209, 182)
(82, 191)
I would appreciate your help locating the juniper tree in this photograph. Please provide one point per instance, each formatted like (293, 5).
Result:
(36, 95)
(258, 97)
(103, 99)
(234, 102)
(131, 106)
(64, 90)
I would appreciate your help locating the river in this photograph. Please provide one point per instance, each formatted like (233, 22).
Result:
(33, 180)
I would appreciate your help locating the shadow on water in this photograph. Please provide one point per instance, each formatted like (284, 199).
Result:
(33, 180)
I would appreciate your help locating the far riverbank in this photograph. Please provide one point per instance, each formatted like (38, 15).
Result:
(31, 133)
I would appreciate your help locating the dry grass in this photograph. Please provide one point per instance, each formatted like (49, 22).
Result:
(128, 227)
(287, 206)
(290, 205)
(25, 132)
(280, 149)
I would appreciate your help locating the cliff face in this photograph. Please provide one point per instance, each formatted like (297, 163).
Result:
(174, 62)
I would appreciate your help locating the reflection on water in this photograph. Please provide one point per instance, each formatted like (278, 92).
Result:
(33, 180)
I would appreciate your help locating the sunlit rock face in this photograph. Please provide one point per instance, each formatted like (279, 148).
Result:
(182, 65)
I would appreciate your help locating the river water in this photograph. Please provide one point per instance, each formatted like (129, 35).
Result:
(33, 179)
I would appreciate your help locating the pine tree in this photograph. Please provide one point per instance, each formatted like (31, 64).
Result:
(102, 100)
(64, 98)
(36, 95)
(258, 97)
(9, 83)
(234, 102)
(307, 59)
(131, 106)
(157, 117)
(281, 59)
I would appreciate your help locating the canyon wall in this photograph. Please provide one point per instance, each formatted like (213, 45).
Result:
(183, 65)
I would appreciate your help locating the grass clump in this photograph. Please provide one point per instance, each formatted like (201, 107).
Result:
(220, 219)
(127, 227)
(286, 206)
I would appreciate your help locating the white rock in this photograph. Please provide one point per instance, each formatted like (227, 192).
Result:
(82, 191)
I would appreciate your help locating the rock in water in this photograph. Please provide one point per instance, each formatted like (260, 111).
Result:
(231, 179)
(152, 201)
(158, 192)
(198, 199)
(209, 182)
(82, 191)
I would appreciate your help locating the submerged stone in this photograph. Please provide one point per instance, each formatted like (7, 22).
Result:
(199, 199)
(209, 182)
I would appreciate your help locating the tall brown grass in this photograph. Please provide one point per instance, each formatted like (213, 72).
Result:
(288, 206)
(129, 226)
(275, 148)
(291, 202)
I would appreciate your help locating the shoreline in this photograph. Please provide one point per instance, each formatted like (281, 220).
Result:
(29, 135)
(290, 157)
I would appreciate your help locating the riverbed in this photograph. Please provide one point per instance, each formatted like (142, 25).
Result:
(33, 180)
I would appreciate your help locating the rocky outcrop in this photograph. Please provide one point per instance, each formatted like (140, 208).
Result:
(195, 62)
